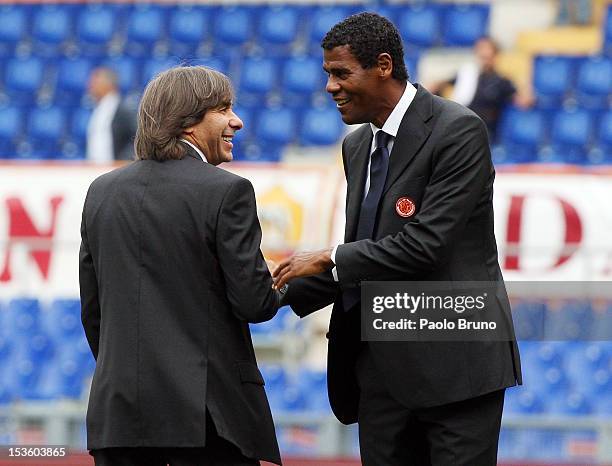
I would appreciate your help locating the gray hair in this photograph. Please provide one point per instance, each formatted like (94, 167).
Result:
(173, 101)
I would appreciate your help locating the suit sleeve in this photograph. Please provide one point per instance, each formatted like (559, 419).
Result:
(248, 281)
(309, 294)
(88, 283)
(460, 179)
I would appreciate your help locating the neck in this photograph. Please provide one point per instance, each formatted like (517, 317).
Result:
(392, 96)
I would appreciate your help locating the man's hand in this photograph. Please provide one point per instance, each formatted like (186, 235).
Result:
(302, 264)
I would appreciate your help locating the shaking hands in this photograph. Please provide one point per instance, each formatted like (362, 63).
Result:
(302, 264)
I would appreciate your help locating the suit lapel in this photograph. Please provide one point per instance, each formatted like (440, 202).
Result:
(357, 177)
(412, 134)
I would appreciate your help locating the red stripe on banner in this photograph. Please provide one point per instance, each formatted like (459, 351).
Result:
(513, 234)
(573, 232)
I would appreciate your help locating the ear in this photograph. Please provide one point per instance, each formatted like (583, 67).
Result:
(188, 131)
(385, 65)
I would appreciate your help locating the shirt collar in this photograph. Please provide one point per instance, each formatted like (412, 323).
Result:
(200, 153)
(391, 126)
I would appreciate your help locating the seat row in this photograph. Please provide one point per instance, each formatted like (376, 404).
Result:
(96, 29)
(56, 132)
(586, 81)
(573, 135)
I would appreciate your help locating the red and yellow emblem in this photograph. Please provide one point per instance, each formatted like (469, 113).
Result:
(405, 207)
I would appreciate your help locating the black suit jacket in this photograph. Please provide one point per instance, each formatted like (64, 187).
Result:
(123, 129)
(171, 274)
(440, 160)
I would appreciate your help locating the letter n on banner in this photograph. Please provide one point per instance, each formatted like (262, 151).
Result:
(22, 229)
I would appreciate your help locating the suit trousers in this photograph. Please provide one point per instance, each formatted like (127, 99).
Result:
(464, 433)
(217, 452)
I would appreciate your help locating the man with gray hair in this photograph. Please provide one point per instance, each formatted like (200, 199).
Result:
(171, 274)
(111, 128)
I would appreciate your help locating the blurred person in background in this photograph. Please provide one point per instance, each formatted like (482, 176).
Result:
(418, 208)
(112, 126)
(482, 89)
(171, 274)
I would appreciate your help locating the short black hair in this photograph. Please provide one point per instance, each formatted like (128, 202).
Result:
(368, 35)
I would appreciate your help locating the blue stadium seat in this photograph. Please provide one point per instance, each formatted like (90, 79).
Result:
(322, 20)
(11, 124)
(6, 348)
(594, 84)
(247, 122)
(571, 131)
(72, 79)
(23, 79)
(570, 404)
(293, 399)
(301, 78)
(603, 324)
(278, 25)
(313, 384)
(605, 131)
(22, 377)
(528, 317)
(78, 126)
(276, 126)
(553, 77)
(411, 59)
(573, 320)
(127, 70)
(257, 76)
(52, 25)
(46, 126)
(14, 21)
(255, 151)
(607, 32)
(303, 75)
(154, 66)
(23, 316)
(465, 24)
(521, 133)
(522, 400)
(274, 375)
(188, 28)
(420, 25)
(63, 319)
(321, 127)
(80, 348)
(146, 26)
(234, 26)
(214, 62)
(548, 353)
(96, 26)
(40, 348)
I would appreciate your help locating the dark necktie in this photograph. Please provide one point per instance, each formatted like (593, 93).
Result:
(379, 165)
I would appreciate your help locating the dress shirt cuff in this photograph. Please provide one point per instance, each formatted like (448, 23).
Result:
(333, 258)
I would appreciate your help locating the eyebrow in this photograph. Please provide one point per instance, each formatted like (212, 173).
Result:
(336, 69)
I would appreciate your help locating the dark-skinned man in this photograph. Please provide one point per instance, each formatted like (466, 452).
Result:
(418, 208)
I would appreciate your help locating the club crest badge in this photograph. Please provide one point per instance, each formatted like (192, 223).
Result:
(405, 207)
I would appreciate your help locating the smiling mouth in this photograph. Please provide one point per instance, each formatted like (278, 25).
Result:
(227, 139)
(342, 102)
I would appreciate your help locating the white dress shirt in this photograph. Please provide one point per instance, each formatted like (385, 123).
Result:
(99, 131)
(195, 148)
(391, 127)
